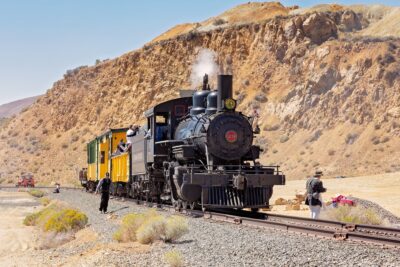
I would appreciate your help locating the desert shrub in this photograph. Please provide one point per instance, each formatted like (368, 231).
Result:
(66, 220)
(316, 135)
(284, 138)
(50, 240)
(271, 127)
(57, 218)
(351, 138)
(74, 138)
(36, 193)
(98, 110)
(152, 229)
(149, 227)
(31, 219)
(218, 22)
(45, 201)
(175, 228)
(375, 140)
(129, 225)
(261, 98)
(64, 145)
(331, 152)
(385, 139)
(356, 215)
(173, 258)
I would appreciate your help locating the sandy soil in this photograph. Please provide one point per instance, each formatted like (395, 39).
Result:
(15, 238)
(20, 244)
(382, 189)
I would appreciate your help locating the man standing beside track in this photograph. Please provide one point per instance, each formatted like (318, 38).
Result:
(104, 186)
(314, 189)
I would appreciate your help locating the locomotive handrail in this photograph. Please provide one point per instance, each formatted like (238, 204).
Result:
(240, 168)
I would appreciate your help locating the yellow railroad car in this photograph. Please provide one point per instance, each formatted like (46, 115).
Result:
(99, 154)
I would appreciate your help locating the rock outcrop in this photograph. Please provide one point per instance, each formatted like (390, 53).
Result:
(327, 100)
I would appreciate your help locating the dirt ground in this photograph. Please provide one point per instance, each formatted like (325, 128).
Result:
(15, 238)
(382, 189)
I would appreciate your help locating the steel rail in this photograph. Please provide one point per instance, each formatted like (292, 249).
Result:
(323, 228)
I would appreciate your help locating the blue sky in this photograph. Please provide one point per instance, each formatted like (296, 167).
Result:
(41, 39)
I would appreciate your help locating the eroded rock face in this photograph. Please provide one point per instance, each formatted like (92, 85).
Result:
(319, 28)
(349, 21)
(286, 68)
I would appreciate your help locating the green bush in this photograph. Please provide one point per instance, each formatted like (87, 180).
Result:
(36, 193)
(45, 201)
(56, 217)
(66, 220)
(356, 215)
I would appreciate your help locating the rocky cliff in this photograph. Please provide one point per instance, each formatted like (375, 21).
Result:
(328, 96)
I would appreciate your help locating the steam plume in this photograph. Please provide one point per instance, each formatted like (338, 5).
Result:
(205, 63)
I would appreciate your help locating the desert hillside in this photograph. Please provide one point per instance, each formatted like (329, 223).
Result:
(325, 81)
(13, 108)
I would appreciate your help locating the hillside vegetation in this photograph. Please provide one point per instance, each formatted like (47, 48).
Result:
(328, 95)
(13, 108)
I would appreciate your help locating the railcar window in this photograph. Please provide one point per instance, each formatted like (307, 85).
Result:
(102, 157)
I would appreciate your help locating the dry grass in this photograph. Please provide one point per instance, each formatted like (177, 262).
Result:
(149, 227)
(356, 215)
(175, 228)
(45, 201)
(52, 240)
(173, 258)
(36, 193)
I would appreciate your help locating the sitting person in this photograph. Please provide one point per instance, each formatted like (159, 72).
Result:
(121, 147)
(132, 131)
(57, 190)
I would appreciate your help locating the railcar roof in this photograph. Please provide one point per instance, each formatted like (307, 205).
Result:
(150, 112)
(111, 130)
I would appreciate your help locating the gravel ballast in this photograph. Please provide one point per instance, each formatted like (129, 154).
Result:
(211, 243)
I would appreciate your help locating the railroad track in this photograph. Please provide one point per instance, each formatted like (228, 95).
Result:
(379, 235)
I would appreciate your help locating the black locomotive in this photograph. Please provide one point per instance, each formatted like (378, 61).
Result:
(198, 151)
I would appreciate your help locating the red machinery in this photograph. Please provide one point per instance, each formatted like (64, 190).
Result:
(26, 180)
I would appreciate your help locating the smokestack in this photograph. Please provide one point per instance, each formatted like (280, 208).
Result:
(205, 82)
(224, 90)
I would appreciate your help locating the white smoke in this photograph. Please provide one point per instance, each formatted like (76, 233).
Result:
(205, 64)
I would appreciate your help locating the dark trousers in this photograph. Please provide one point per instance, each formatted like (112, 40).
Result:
(104, 201)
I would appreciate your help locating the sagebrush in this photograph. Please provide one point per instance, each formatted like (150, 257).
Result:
(56, 217)
(151, 226)
(173, 258)
(351, 214)
(36, 193)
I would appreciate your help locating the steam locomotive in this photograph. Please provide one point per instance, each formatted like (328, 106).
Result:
(193, 152)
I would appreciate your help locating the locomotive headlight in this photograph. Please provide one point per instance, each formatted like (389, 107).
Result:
(230, 103)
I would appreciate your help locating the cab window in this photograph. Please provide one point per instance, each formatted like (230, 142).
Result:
(161, 133)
